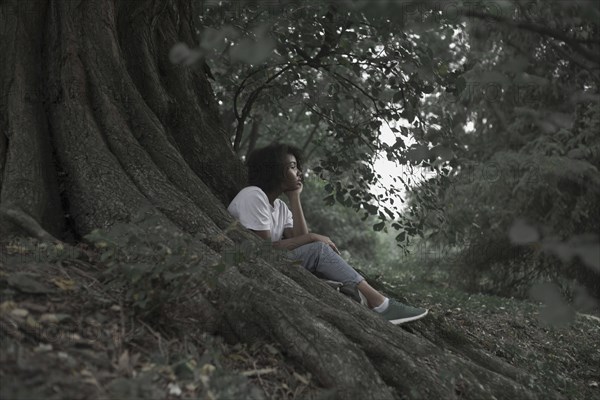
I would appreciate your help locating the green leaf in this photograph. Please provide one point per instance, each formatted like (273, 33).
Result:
(427, 89)
(329, 200)
(379, 226)
(460, 84)
(397, 97)
(409, 114)
(371, 209)
(107, 254)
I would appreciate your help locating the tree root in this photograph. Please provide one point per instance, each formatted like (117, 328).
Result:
(335, 361)
(402, 360)
(26, 223)
(29, 177)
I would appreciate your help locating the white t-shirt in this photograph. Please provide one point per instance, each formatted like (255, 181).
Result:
(252, 208)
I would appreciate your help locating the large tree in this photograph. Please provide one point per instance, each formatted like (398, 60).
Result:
(97, 124)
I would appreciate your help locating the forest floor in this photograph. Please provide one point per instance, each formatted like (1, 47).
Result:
(64, 335)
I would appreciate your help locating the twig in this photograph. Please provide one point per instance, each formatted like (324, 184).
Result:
(158, 337)
(259, 372)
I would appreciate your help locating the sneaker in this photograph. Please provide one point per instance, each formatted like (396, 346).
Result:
(398, 313)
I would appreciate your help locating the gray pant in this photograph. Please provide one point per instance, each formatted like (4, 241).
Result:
(321, 260)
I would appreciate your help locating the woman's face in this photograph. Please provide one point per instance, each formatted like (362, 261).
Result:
(292, 175)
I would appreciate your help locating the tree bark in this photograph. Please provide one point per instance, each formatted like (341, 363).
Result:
(97, 124)
(29, 182)
(254, 134)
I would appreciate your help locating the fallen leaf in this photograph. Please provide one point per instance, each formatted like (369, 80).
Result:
(12, 249)
(191, 387)
(54, 318)
(19, 312)
(207, 369)
(301, 378)
(27, 284)
(39, 308)
(31, 322)
(237, 357)
(271, 349)
(259, 371)
(7, 306)
(42, 348)
(174, 389)
(123, 363)
(64, 284)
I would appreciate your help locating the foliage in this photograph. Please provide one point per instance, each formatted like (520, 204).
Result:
(327, 77)
(555, 193)
(345, 227)
(531, 151)
(153, 265)
(517, 331)
(473, 86)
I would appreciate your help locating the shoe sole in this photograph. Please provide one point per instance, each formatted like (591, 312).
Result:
(409, 319)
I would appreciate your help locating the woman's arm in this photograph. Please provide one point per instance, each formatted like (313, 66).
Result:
(299, 233)
(297, 241)
(300, 228)
(290, 243)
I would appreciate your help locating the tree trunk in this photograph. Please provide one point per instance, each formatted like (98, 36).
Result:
(97, 124)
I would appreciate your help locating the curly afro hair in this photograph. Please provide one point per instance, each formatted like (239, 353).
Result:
(266, 165)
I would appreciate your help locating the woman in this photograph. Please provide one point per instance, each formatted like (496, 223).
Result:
(276, 170)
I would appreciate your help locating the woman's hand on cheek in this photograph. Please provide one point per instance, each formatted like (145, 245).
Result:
(294, 191)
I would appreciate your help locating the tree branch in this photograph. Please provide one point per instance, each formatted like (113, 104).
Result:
(542, 30)
(570, 57)
(310, 136)
(340, 76)
(254, 134)
(251, 99)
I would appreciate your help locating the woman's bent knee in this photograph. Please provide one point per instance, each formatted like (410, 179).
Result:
(312, 247)
(309, 251)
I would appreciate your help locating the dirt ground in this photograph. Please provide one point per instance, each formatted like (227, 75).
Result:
(65, 335)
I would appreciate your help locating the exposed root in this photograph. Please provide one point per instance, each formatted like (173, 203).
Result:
(26, 223)
(28, 174)
(403, 360)
(335, 361)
